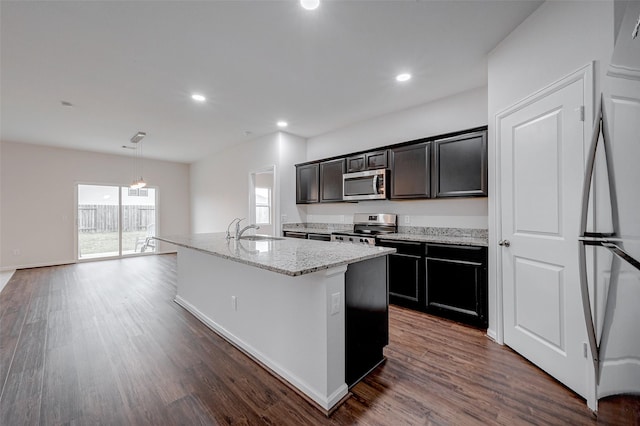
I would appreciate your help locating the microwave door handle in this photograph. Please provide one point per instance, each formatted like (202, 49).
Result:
(375, 184)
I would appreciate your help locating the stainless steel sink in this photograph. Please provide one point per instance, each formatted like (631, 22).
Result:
(260, 238)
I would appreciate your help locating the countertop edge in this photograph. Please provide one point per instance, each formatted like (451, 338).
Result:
(290, 273)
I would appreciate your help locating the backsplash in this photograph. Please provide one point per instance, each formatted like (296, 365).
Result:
(449, 232)
(416, 230)
(327, 227)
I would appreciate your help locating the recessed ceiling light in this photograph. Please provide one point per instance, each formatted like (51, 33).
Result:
(310, 4)
(403, 77)
(66, 104)
(282, 124)
(198, 97)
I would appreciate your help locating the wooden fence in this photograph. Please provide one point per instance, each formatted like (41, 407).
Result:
(101, 218)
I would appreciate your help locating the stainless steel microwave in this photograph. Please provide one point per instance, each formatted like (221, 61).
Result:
(367, 185)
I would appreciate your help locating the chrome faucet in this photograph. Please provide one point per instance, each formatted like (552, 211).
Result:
(239, 231)
(237, 227)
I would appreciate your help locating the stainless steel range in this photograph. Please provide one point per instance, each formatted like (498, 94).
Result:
(366, 226)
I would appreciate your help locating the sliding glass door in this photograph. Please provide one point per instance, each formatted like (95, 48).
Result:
(115, 221)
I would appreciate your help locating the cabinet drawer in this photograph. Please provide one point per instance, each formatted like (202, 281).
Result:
(404, 247)
(294, 234)
(474, 254)
(319, 237)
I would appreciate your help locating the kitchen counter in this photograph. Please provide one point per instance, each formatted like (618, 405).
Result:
(313, 313)
(440, 239)
(288, 256)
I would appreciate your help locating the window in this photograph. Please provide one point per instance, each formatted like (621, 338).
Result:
(115, 221)
(263, 206)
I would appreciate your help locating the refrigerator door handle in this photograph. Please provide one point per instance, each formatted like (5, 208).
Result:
(582, 254)
(621, 253)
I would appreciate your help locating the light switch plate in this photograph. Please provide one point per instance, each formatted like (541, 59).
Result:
(335, 303)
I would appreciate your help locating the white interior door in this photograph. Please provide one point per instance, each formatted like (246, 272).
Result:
(542, 161)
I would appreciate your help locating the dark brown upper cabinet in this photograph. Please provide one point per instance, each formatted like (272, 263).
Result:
(410, 171)
(367, 161)
(307, 183)
(331, 180)
(460, 166)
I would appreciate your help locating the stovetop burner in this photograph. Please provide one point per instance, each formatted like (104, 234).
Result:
(366, 227)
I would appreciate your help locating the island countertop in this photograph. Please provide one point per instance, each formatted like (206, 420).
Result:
(288, 256)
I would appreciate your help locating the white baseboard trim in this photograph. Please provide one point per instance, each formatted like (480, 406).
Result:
(491, 334)
(69, 262)
(36, 265)
(5, 276)
(323, 402)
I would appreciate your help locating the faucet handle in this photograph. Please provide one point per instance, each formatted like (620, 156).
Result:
(237, 220)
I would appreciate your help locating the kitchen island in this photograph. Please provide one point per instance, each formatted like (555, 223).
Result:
(313, 313)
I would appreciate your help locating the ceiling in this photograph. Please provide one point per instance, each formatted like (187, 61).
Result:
(129, 66)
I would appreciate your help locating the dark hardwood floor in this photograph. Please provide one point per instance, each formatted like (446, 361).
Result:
(103, 343)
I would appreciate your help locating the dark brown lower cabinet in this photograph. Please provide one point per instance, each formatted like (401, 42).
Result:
(366, 317)
(456, 283)
(445, 280)
(406, 273)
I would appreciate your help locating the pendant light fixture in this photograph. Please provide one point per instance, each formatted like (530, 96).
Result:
(138, 181)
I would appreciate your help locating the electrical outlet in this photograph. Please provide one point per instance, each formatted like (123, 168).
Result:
(335, 303)
(234, 303)
(407, 220)
(283, 218)
(16, 252)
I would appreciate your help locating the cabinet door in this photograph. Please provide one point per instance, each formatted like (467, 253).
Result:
(331, 180)
(456, 286)
(307, 180)
(405, 279)
(460, 166)
(376, 160)
(355, 163)
(411, 171)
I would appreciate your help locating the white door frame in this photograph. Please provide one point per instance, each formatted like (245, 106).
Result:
(586, 75)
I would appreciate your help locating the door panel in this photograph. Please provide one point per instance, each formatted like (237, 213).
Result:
(542, 167)
(537, 182)
(539, 288)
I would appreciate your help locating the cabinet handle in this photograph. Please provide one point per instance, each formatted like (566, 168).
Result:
(505, 243)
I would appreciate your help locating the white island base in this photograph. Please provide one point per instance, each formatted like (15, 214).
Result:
(295, 326)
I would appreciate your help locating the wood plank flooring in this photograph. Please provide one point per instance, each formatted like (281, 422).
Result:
(104, 343)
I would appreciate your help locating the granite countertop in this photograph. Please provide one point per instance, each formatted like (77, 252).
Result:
(288, 256)
(423, 234)
(442, 239)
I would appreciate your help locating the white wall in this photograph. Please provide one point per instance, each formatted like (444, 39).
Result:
(220, 182)
(555, 40)
(459, 112)
(37, 193)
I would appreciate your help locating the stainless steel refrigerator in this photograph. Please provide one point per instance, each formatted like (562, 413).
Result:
(610, 220)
